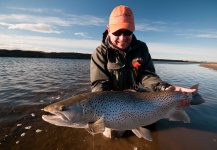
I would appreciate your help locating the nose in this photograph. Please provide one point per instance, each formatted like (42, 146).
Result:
(122, 37)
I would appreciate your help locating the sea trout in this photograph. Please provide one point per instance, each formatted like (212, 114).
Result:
(120, 110)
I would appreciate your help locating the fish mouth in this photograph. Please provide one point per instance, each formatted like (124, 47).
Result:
(55, 116)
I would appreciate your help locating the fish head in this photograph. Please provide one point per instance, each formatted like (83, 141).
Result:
(76, 114)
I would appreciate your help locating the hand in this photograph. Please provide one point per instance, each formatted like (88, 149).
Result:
(181, 89)
(183, 103)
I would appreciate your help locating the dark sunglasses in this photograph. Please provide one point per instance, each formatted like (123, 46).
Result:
(125, 32)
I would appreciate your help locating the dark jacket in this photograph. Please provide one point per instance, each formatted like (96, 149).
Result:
(112, 69)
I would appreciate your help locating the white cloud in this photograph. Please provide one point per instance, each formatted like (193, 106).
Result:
(208, 35)
(84, 20)
(82, 34)
(147, 25)
(198, 33)
(50, 44)
(22, 18)
(39, 27)
(182, 52)
(48, 24)
(37, 10)
(47, 44)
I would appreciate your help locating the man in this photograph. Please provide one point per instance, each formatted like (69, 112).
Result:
(121, 61)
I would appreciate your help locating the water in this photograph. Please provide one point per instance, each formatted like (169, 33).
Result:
(27, 85)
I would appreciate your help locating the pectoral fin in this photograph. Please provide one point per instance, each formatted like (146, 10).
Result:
(142, 132)
(178, 114)
(96, 127)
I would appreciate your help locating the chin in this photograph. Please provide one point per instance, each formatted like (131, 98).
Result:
(122, 47)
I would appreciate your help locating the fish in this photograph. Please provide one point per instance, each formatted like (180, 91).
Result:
(98, 112)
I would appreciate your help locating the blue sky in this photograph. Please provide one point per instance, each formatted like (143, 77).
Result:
(172, 29)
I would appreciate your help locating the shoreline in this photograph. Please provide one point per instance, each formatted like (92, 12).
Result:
(210, 65)
(64, 55)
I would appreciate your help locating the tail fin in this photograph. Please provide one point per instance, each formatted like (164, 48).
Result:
(196, 97)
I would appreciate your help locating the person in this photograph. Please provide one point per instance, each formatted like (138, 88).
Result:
(122, 61)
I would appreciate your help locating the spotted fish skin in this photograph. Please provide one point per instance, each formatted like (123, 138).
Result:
(129, 110)
(119, 110)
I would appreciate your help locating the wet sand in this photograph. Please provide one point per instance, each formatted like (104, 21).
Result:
(210, 65)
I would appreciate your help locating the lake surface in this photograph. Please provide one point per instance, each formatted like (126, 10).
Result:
(27, 85)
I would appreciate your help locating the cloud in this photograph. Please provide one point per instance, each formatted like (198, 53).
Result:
(147, 25)
(174, 27)
(182, 52)
(197, 33)
(206, 35)
(22, 18)
(50, 44)
(47, 44)
(39, 27)
(69, 19)
(37, 10)
(84, 20)
(82, 34)
(47, 24)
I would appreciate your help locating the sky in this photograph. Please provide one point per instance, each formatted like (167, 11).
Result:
(172, 29)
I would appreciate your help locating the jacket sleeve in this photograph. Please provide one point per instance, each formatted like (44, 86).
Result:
(99, 74)
(148, 78)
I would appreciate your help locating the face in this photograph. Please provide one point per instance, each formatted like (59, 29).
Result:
(121, 38)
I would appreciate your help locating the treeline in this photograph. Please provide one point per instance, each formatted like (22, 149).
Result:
(40, 54)
(171, 60)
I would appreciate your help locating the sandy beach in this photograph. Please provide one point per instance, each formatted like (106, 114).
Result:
(210, 65)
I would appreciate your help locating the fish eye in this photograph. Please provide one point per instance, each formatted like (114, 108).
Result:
(62, 108)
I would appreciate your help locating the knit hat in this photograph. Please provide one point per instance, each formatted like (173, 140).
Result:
(121, 18)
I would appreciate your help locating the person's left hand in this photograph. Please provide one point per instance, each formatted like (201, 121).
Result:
(181, 89)
(184, 103)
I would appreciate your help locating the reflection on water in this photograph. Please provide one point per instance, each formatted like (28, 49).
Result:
(27, 85)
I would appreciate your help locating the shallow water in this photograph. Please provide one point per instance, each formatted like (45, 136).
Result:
(27, 85)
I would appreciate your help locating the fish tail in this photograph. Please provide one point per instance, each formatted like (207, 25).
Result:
(196, 97)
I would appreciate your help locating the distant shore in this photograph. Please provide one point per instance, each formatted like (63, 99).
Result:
(210, 65)
(63, 55)
(41, 54)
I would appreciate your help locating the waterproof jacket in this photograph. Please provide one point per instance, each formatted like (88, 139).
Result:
(114, 69)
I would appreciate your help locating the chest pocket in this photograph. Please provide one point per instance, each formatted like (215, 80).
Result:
(118, 75)
(117, 69)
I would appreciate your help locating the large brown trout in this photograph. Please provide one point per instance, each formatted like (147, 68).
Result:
(120, 110)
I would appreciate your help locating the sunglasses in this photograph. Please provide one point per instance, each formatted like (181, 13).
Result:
(125, 32)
